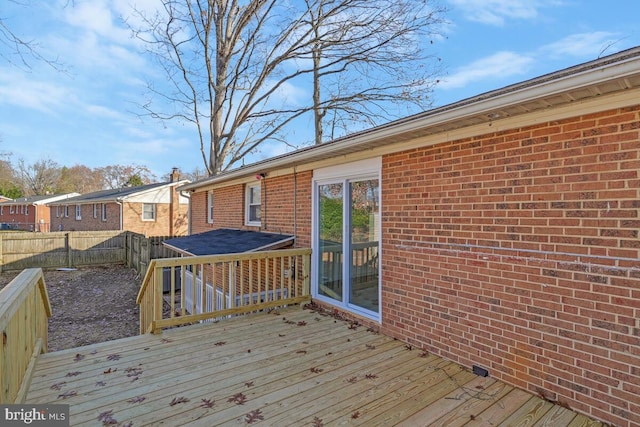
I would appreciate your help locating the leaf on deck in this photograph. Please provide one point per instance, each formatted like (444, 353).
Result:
(238, 399)
(254, 416)
(67, 394)
(177, 400)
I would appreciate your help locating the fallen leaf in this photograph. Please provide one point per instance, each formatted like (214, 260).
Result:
(238, 399)
(317, 422)
(58, 386)
(177, 400)
(207, 403)
(67, 394)
(78, 357)
(316, 370)
(73, 374)
(254, 416)
(113, 357)
(137, 399)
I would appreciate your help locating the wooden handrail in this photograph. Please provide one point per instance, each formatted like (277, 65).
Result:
(24, 313)
(215, 286)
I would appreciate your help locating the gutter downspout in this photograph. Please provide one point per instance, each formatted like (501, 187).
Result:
(188, 196)
(119, 203)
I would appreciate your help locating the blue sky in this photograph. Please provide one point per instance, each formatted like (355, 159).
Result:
(88, 115)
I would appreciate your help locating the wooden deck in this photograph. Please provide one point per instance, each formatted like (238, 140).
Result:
(295, 368)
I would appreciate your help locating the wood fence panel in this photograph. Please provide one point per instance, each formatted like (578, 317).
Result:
(79, 249)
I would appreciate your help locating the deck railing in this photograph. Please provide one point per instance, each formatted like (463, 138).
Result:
(24, 310)
(178, 291)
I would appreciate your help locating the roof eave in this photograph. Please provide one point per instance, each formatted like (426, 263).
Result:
(573, 79)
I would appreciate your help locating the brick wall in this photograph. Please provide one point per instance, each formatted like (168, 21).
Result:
(161, 226)
(518, 251)
(88, 222)
(277, 207)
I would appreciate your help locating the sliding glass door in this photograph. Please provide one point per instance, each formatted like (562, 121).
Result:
(347, 241)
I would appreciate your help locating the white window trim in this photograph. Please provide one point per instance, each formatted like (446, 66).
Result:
(210, 207)
(95, 210)
(1, 210)
(154, 212)
(66, 211)
(247, 194)
(57, 211)
(12, 209)
(26, 210)
(78, 212)
(362, 169)
(104, 212)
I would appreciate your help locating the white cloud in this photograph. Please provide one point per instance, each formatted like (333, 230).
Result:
(496, 12)
(24, 91)
(590, 45)
(497, 66)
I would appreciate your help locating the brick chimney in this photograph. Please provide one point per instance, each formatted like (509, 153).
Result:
(175, 175)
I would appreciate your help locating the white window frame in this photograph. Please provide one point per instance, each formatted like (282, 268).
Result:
(57, 211)
(153, 211)
(248, 204)
(12, 209)
(78, 212)
(1, 210)
(363, 169)
(95, 210)
(26, 210)
(104, 212)
(210, 207)
(66, 211)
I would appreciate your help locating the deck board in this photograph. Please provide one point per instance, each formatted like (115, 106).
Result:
(292, 368)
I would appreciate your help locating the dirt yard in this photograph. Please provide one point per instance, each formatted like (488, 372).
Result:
(89, 305)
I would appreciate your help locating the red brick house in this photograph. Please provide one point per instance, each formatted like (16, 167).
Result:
(29, 213)
(153, 210)
(500, 231)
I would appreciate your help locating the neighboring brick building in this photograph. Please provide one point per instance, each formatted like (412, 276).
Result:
(153, 210)
(505, 230)
(29, 213)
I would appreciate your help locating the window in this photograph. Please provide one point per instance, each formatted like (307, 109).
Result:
(148, 211)
(78, 212)
(252, 205)
(57, 211)
(95, 210)
(210, 207)
(26, 210)
(1, 210)
(66, 211)
(12, 209)
(104, 211)
(21, 209)
(346, 237)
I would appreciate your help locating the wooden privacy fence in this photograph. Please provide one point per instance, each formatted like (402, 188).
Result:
(78, 249)
(24, 310)
(215, 286)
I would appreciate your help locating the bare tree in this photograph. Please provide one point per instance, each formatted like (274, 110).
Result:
(21, 51)
(39, 178)
(370, 61)
(119, 176)
(230, 64)
(79, 179)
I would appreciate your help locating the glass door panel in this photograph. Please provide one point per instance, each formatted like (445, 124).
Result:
(330, 233)
(364, 226)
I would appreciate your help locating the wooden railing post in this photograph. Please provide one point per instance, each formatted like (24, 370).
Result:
(157, 299)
